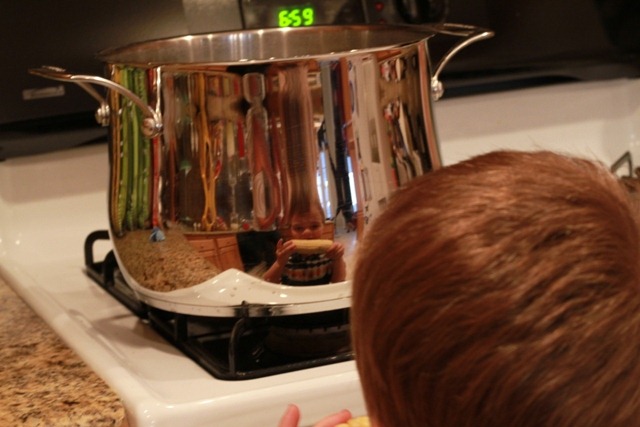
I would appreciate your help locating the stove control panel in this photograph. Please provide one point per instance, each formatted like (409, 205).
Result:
(303, 13)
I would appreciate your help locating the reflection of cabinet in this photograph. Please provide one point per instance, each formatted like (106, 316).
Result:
(219, 248)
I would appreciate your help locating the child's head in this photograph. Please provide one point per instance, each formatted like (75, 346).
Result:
(308, 223)
(502, 291)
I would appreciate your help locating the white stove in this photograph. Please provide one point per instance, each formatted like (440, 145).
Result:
(50, 203)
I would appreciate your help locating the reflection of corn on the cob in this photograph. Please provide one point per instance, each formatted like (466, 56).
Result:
(312, 246)
(356, 422)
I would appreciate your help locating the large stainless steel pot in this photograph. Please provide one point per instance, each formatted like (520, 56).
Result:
(216, 137)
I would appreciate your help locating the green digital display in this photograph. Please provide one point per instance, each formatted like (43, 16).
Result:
(296, 16)
(301, 13)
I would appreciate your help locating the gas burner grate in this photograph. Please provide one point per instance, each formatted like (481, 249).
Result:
(230, 348)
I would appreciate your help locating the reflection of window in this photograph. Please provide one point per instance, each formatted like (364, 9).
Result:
(324, 180)
(352, 187)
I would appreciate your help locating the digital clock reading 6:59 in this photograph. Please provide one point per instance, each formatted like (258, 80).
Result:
(296, 16)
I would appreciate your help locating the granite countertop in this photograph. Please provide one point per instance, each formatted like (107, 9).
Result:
(44, 383)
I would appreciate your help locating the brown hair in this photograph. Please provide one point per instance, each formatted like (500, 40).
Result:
(306, 206)
(502, 291)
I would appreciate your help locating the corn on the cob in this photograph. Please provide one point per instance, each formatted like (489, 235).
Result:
(313, 246)
(356, 422)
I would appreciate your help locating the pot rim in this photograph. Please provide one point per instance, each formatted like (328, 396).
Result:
(261, 46)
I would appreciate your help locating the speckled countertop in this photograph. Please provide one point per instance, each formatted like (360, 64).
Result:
(44, 383)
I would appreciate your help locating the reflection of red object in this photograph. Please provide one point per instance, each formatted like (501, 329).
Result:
(379, 6)
(221, 224)
(385, 71)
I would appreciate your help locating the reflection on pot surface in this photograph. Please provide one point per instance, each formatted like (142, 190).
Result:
(241, 150)
(219, 142)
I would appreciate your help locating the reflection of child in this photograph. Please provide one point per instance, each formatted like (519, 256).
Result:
(292, 268)
(514, 301)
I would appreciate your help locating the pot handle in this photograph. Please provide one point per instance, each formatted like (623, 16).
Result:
(471, 35)
(152, 122)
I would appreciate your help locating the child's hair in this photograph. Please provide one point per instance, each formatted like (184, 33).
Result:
(502, 291)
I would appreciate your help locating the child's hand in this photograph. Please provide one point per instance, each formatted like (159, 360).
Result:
(284, 250)
(335, 251)
(291, 418)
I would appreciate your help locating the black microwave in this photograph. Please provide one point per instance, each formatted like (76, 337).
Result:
(537, 42)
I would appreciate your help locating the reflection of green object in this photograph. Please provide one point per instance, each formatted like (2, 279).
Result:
(123, 190)
(185, 166)
(133, 150)
(143, 145)
(134, 194)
